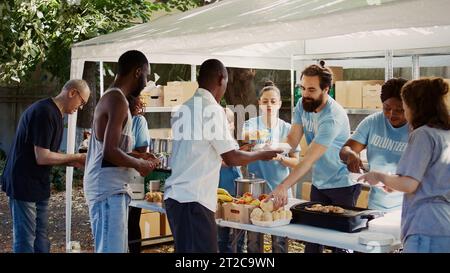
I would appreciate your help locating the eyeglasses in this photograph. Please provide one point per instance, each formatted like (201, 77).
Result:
(83, 102)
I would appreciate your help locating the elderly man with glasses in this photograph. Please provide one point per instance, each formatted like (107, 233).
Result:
(26, 177)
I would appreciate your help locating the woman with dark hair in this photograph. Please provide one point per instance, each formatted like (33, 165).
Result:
(384, 135)
(423, 172)
(141, 140)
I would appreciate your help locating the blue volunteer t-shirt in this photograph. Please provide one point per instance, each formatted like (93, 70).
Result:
(272, 171)
(385, 146)
(330, 128)
(140, 133)
(227, 177)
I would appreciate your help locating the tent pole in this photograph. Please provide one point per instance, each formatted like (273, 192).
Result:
(415, 67)
(292, 88)
(71, 131)
(101, 78)
(389, 69)
(76, 72)
(193, 73)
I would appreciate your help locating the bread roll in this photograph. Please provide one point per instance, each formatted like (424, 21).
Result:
(267, 205)
(256, 214)
(267, 216)
(276, 215)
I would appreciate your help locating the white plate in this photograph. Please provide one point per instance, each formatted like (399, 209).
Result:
(374, 238)
(276, 223)
(285, 147)
(354, 177)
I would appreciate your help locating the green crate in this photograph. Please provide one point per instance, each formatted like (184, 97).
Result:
(160, 175)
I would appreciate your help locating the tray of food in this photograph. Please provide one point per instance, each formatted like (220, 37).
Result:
(341, 218)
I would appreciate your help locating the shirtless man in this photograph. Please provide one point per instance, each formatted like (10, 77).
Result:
(109, 159)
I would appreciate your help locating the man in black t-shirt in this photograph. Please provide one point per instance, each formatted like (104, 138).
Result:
(26, 177)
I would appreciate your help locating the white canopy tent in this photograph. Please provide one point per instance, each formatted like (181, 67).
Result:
(270, 34)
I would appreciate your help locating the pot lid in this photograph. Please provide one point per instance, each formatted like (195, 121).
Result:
(250, 179)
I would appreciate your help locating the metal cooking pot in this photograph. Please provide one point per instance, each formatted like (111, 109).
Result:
(255, 186)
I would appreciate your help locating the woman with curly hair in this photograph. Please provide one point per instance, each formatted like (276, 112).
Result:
(423, 172)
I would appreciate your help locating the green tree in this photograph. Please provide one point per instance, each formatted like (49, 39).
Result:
(36, 32)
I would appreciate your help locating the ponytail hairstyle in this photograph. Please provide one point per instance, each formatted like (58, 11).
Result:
(269, 86)
(426, 100)
(324, 73)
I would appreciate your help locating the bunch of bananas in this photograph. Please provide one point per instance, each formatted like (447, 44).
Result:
(223, 196)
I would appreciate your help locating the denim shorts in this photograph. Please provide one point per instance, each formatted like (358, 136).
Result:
(109, 223)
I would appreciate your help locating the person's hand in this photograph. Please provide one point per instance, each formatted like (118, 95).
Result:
(354, 164)
(79, 161)
(154, 162)
(247, 147)
(387, 189)
(278, 157)
(269, 154)
(373, 178)
(144, 167)
(148, 156)
(280, 196)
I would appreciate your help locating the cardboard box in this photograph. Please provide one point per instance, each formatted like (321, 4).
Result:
(150, 224)
(160, 133)
(371, 96)
(153, 97)
(338, 73)
(219, 211)
(177, 93)
(237, 212)
(164, 226)
(349, 94)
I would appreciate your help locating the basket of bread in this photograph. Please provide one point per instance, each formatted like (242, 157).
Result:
(266, 216)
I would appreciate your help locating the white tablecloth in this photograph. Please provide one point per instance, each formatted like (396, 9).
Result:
(148, 205)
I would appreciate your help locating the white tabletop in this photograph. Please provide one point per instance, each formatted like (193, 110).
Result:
(148, 205)
(317, 235)
(388, 225)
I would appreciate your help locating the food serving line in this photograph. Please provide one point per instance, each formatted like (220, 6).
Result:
(382, 236)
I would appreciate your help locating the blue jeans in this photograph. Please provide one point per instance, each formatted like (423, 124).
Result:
(109, 223)
(418, 243)
(228, 237)
(30, 226)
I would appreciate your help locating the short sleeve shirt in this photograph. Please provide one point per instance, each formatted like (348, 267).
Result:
(330, 128)
(385, 145)
(40, 125)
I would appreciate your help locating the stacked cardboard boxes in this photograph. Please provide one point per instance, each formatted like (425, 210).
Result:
(176, 93)
(150, 224)
(359, 94)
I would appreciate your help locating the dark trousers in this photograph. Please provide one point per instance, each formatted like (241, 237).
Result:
(346, 196)
(134, 230)
(193, 227)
